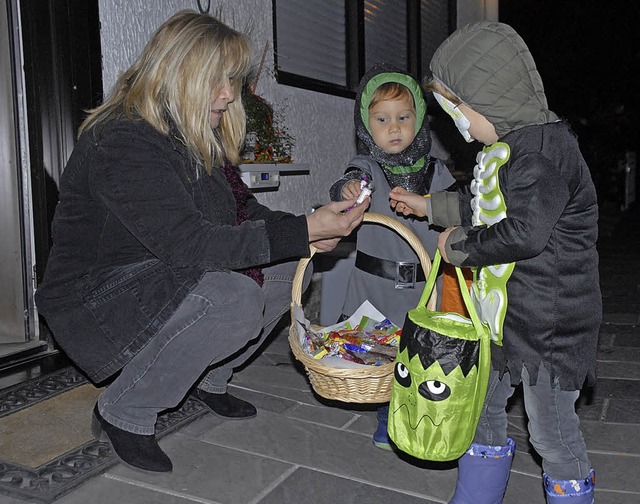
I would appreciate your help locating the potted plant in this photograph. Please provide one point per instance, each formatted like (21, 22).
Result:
(267, 137)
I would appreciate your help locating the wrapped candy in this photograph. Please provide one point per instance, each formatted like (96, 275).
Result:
(371, 342)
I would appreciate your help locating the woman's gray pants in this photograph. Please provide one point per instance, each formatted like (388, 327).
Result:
(219, 325)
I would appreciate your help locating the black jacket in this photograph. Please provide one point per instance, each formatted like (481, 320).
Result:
(551, 226)
(555, 306)
(136, 227)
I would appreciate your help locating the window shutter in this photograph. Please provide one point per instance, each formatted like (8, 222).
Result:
(385, 33)
(311, 39)
(435, 29)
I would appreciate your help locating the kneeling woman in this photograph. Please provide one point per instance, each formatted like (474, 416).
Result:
(165, 271)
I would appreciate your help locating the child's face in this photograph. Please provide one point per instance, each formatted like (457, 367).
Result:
(393, 124)
(480, 128)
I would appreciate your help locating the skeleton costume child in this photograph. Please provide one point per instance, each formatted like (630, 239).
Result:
(549, 231)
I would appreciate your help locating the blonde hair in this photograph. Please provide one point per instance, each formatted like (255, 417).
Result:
(435, 86)
(390, 91)
(189, 55)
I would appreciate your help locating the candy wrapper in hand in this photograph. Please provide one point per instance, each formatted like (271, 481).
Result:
(366, 188)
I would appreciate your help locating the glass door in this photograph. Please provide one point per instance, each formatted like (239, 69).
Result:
(19, 332)
(51, 73)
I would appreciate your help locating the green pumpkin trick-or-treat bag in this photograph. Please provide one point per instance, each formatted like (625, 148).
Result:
(440, 378)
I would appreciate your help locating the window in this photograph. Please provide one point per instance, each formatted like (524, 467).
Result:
(327, 45)
(437, 22)
(385, 33)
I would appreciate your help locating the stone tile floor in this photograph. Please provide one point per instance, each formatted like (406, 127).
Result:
(303, 449)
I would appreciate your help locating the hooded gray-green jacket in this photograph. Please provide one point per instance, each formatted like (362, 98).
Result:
(550, 231)
(380, 241)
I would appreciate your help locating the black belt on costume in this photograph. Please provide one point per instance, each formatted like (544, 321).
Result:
(405, 274)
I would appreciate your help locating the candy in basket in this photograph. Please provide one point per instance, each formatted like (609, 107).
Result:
(366, 338)
(336, 378)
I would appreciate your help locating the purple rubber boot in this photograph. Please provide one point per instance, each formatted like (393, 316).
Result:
(483, 474)
(570, 491)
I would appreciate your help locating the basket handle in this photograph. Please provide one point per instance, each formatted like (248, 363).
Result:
(376, 218)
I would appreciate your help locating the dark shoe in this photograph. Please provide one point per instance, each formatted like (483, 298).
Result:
(381, 436)
(226, 406)
(136, 450)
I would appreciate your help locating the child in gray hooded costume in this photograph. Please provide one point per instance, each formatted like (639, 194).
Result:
(387, 271)
(485, 78)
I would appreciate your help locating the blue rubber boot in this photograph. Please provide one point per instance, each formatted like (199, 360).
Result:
(570, 491)
(381, 436)
(483, 474)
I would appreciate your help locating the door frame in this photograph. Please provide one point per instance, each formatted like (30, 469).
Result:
(56, 75)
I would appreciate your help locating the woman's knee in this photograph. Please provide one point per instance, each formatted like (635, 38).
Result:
(233, 295)
(285, 272)
(234, 314)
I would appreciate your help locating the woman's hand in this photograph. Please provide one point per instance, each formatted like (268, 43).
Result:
(408, 203)
(328, 221)
(326, 245)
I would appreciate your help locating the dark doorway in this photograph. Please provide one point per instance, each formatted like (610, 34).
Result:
(63, 74)
(62, 79)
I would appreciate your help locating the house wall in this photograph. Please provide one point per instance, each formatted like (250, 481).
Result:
(321, 124)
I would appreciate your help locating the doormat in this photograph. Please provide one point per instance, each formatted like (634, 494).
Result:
(47, 448)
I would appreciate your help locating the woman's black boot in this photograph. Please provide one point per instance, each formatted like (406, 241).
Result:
(136, 450)
(226, 405)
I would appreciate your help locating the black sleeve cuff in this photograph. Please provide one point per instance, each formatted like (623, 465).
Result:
(288, 238)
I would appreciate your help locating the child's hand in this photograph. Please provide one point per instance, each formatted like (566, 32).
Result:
(408, 203)
(442, 242)
(351, 190)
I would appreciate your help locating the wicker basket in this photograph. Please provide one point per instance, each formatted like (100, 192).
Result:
(366, 384)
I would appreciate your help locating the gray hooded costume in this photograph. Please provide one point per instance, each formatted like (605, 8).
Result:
(413, 169)
(550, 231)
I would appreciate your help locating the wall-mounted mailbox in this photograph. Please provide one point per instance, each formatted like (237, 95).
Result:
(267, 175)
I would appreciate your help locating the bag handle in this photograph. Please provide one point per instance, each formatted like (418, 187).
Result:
(466, 297)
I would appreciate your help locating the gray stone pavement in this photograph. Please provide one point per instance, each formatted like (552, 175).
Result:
(303, 449)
